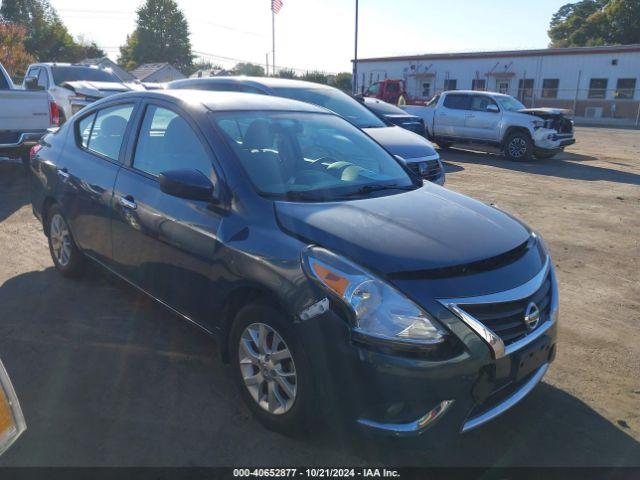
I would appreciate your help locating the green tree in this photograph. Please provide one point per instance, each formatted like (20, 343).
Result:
(286, 73)
(315, 76)
(161, 35)
(13, 55)
(47, 38)
(343, 81)
(596, 22)
(250, 69)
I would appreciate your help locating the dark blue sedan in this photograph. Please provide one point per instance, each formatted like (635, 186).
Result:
(337, 284)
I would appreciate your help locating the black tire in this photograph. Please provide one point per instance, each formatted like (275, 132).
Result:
(518, 147)
(545, 155)
(444, 145)
(297, 419)
(72, 264)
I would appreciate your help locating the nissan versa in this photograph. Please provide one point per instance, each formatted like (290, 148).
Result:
(335, 280)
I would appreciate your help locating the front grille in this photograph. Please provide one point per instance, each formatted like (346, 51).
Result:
(429, 170)
(507, 319)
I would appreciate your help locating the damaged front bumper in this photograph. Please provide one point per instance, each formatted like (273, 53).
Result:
(550, 140)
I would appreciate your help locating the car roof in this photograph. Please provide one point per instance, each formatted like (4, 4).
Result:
(269, 82)
(229, 101)
(477, 92)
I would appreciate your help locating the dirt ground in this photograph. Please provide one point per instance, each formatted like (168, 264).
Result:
(106, 377)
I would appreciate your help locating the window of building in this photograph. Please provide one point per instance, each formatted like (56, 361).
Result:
(458, 101)
(426, 89)
(525, 88)
(450, 84)
(550, 87)
(479, 84)
(167, 142)
(626, 88)
(503, 86)
(598, 88)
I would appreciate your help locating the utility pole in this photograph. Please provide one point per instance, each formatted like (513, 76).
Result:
(354, 80)
(266, 63)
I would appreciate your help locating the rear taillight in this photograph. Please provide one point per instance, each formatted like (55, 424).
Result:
(54, 114)
(34, 151)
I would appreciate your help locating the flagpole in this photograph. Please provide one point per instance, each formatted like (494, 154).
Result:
(354, 80)
(273, 42)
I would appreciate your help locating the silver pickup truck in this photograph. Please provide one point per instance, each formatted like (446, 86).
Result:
(487, 118)
(25, 116)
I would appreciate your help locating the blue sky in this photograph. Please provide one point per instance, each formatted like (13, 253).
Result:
(319, 33)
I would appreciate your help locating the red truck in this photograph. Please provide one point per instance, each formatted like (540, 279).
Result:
(391, 91)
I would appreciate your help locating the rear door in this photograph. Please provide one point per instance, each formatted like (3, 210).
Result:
(480, 123)
(87, 171)
(167, 245)
(451, 116)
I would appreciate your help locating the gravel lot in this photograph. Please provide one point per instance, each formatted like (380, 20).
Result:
(106, 377)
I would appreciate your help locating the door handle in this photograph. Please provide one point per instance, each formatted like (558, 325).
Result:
(63, 173)
(128, 202)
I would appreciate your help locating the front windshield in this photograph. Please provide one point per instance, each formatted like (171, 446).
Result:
(337, 102)
(509, 104)
(309, 156)
(73, 74)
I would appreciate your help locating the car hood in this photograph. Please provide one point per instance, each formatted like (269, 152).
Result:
(546, 112)
(426, 229)
(402, 142)
(100, 89)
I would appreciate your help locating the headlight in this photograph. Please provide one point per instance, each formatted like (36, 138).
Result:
(380, 311)
(541, 242)
(538, 124)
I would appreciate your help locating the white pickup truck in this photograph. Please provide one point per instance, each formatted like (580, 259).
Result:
(25, 116)
(487, 118)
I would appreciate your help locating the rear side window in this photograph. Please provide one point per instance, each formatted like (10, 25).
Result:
(167, 142)
(458, 102)
(103, 131)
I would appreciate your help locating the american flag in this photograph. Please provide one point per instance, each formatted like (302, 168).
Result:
(276, 5)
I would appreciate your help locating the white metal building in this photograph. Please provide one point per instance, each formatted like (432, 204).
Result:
(592, 81)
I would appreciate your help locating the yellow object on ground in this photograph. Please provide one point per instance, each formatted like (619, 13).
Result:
(12, 422)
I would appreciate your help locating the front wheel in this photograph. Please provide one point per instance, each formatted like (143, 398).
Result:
(271, 369)
(65, 254)
(518, 147)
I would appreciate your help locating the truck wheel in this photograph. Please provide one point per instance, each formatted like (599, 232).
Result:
(518, 147)
(444, 145)
(545, 154)
(271, 369)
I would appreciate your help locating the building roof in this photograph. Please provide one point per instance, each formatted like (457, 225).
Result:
(510, 53)
(147, 69)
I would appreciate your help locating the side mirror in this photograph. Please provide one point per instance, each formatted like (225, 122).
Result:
(186, 183)
(31, 83)
(493, 108)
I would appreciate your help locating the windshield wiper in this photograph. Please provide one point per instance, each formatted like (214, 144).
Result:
(366, 189)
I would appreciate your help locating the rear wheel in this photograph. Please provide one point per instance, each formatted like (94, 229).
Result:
(64, 252)
(270, 369)
(518, 147)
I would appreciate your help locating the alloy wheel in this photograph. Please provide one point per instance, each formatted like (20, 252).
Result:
(267, 368)
(60, 240)
(517, 147)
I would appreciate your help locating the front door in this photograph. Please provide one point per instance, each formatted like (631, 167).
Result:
(167, 245)
(482, 124)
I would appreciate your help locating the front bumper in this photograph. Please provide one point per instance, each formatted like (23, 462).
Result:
(399, 395)
(548, 139)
